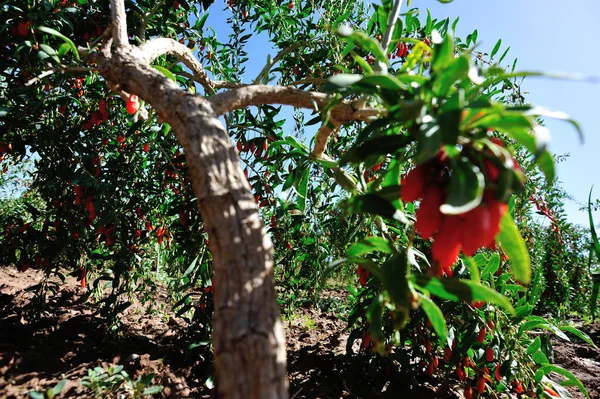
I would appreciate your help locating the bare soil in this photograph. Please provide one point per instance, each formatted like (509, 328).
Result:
(68, 338)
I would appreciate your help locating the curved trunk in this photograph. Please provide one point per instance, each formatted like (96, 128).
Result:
(248, 337)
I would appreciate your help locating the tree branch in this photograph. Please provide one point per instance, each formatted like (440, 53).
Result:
(387, 37)
(157, 47)
(119, 23)
(256, 95)
(323, 135)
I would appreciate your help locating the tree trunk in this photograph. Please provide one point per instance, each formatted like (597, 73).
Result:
(248, 337)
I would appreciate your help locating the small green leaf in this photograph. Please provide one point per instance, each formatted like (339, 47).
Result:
(368, 245)
(435, 315)
(166, 73)
(491, 266)
(534, 346)
(496, 48)
(53, 32)
(473, 269)
(512, 243)
(579, 334)
(466, 188)
(341, 81)
(462, 290)
(303, 190)
(595, 242)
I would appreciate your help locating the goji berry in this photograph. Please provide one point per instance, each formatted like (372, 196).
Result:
(429, 215)
(413, 184)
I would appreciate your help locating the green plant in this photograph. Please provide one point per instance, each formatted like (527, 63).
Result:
(116, 382)
(49, 393)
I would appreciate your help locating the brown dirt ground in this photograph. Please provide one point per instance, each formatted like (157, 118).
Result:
(69, 338)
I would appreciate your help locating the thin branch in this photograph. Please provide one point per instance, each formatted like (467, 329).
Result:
(255, 95)
(55, 70)
(323, 135)
(155, 48)
(265, 71)
(387, 37)
(119, 21)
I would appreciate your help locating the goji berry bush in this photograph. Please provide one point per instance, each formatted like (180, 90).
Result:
(434, 203)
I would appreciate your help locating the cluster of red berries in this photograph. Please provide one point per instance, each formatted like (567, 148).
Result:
(95, 119)
(469, 231)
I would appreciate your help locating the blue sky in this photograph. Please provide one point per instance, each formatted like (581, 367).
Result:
(545, 35)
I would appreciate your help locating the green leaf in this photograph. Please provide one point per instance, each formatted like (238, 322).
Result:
(166, 73)
(534, 346)
(466, 188)
(512, 243)
(443, 54)
(152, 390)
(430, 140)
(496, 48)
(376, 146)
(344, 179)
(375, 205)
(491, 266)
(457, 70)
(579, 334)
(539, 358)
(435, 315)
(68, 41)
(545, 162)
(473, 269)
(385, 81)
(369, 44)
(595, 242)
(303, 190)
(368, 245)
(341, 81)
(64, 49)
(397, 285)
(549, 368)
(462, 290)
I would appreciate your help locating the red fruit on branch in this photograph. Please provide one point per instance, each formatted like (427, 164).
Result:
(82, 277)
(291, 5)
(430, 369)
(363, 276)
(480, 385)
(23, 28)
(489, 354)
(481, 336)
(460, 373)
(518, 387)
(428, 215)
(146, 147)
(413, 184)
(244, 13)
(446, 244)
(133, 104)
(476, 230)
(239, 146)
(497, 373)
(468, 392)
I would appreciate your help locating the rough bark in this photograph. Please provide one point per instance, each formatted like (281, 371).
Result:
(248, 337)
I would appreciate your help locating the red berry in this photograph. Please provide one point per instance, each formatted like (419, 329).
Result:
(468, 392)
(481, 336)
(146, 147)
(428, 214)
(481, 384)
(476, 229)
(239, 146)
(460, 373)
(446, 244)
(430, 369)
(497, 373)
(489, 354)
(132, 104)
(291, 5)
(518, 387)
(23, 28)
(413, 184)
